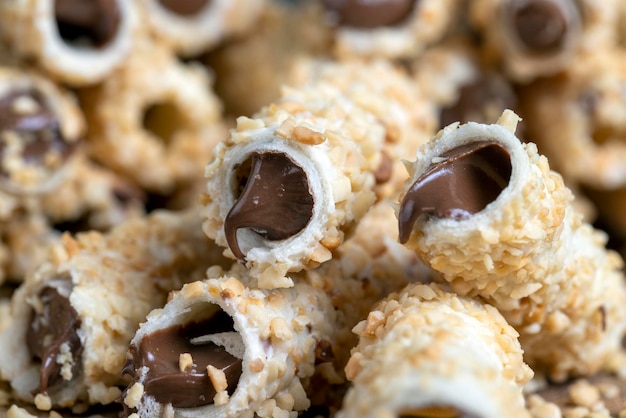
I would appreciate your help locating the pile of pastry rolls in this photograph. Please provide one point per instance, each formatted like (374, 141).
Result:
(311, 208)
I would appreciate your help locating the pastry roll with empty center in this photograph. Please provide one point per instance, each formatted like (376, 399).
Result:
(534, 38)
(487, 212)
(220, 348)
(390, 28)
(155, 124)
(77, 42)
(426, 352)
(73, 318)
(191, 27)
(288, 184)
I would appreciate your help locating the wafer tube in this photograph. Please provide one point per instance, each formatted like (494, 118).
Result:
(388, 93)
(365, 268)
(90, 198)
(509, 234)
(330, 151)
(73, 319)
(76, 42)
(589, 145)
(426, 352)
(463, 86)
(534, 38)
(222, 349)
(284, 32)
(87, 198)
(388, 29)
(40, 128)
(156, 124)
(191, 27)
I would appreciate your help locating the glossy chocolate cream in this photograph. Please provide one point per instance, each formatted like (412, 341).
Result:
(184, 7)
(368, 14)
(37, 127)
(467, 179)
(541, 26)
(274, 199)
(52, 328)
(94, 22)
(160, 352)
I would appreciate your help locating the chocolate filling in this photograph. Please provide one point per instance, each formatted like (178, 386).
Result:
(184, 7)
(275, 200)
(51, 334)
(160, 352)
(94, 22)
(368, 14)
(37, 127)
(541, 26)
(465, 182)
(436, 412)
(479, 100)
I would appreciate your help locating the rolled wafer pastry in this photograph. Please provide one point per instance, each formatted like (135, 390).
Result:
(368, 266)
(462, 84)
(283, 33)
(426, 352)
(40, 128)
(76, 42)
(156, 124)
(388, 29)
(485, 210)
(191, 27)
(388, 93)
(589, 145)
(90, 198)
(534, 38)
(72, 320)
(334, 149)
(220, 348)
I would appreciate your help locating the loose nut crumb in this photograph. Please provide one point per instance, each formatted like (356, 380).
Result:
(185, 361)
(43, 402)
(218, 378)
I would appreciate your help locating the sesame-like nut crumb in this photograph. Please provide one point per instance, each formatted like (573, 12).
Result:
(374, 320)
(221, 398)
(43, 402)
(54, 414)
(279, 329)
(285, 401)
(608, 390)
(133, 395)
(17, 412)
(584, 393)
(285, 129)
(307, 136)
(185, 361)
(331, 242)
(218, 378)
(192, 290)
(231, 287)
(576, 412)
(244, 124)
(134, 415)
(267, 408)
(256, 365)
